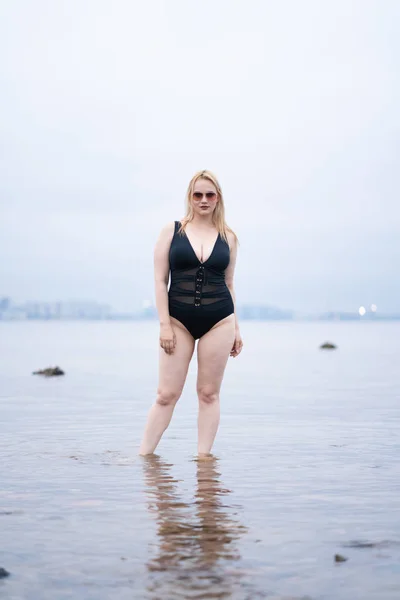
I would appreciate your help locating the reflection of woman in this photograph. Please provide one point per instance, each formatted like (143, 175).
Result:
(172, 515)
(216, 528)
(199, 253)
(191, 546)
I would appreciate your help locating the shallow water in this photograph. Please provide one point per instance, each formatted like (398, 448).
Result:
(306, 466)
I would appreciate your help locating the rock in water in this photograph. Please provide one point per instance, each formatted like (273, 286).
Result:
(339, 558)
(327, 346)
(3, 573)
(49, 372)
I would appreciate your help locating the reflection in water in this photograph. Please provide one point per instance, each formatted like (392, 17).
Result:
(196, 540)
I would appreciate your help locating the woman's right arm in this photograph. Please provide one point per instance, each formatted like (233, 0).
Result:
(161, 278)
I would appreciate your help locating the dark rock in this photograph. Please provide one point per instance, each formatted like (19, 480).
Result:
(339, 558)
(3, 573)
(49, 372)
(328, 346)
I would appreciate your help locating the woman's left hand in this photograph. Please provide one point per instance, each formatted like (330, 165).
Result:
(237, 344)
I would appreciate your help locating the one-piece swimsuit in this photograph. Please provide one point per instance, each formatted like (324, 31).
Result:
(198, 296)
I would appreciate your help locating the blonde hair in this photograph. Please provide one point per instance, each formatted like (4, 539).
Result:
(219, 211)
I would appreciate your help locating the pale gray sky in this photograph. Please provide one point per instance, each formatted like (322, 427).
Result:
(108, 108)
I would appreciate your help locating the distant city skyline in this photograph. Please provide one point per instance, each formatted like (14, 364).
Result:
(89, 310)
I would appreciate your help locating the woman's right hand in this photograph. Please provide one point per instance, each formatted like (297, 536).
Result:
(167, 338)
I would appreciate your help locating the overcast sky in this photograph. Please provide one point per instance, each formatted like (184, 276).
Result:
(107, 108)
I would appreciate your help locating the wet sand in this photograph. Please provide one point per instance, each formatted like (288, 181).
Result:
(305, 466)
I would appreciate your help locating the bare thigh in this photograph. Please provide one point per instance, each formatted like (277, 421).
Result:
(173, 367)
(213, 351)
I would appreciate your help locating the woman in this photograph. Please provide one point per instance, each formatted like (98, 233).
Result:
(200, 251)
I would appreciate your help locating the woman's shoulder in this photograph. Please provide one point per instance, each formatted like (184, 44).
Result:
(231, 236)
(166, 233)
(168, 228)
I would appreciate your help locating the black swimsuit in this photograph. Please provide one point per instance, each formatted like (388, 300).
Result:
(198, 295)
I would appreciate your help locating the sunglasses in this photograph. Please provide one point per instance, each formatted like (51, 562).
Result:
(208, 195)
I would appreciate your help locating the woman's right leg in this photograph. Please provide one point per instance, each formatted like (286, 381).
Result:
(173, 369)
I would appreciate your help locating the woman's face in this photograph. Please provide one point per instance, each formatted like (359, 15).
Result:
(205, 197)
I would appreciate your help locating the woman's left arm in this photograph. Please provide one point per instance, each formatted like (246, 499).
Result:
(229, 273)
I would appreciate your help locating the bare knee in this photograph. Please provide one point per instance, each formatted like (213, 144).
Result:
(208, 395)
(167, 397)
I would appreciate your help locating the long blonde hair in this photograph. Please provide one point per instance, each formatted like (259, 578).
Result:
(219, 212)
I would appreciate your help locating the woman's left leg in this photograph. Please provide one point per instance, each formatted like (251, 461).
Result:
(213, 349)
